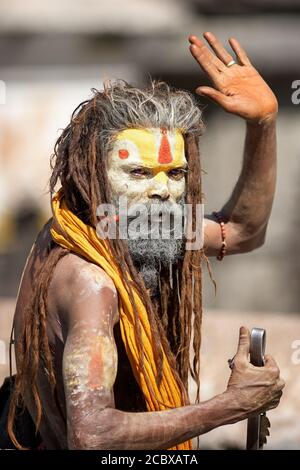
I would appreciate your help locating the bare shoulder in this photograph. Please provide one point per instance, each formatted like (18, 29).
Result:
(83, 288)
(74, 270)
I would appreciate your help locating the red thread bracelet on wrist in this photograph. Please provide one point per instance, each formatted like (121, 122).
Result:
(220, 220)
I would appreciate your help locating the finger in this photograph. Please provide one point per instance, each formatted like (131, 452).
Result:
(239, 51)
(214, 95)
(270, 361)
(280, 384)
(204, 56)
(244, 343)
(195, 40)
(218, 48)
(273, 404)
(279, 395)
(207, 65)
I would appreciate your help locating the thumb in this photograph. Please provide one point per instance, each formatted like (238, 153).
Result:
(244, 343)
(214, 95)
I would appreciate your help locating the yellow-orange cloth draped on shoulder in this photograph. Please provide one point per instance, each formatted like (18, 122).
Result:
(70, 232)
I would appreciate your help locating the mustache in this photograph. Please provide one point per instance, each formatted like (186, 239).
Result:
(157, 209)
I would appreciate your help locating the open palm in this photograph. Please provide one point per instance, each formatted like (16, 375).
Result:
(238, 89)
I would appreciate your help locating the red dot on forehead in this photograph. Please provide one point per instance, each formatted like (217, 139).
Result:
(123, 153)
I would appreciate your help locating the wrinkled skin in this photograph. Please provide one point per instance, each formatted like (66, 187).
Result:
(260, 386)
(238, 89)
(99, 399)
(101, 407)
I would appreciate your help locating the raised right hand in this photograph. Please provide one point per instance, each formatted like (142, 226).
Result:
(255, 389)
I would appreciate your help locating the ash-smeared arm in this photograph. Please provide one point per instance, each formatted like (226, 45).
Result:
(89, 370)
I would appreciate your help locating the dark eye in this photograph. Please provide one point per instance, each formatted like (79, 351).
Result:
(140, 173)
(177, 173)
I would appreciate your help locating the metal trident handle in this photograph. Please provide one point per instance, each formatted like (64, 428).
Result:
(257, 352)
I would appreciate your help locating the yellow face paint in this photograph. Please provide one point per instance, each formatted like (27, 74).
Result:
(154, 148)
(155, 153)
(161, 177)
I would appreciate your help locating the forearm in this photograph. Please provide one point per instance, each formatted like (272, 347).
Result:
(114, 429)
(250, 204)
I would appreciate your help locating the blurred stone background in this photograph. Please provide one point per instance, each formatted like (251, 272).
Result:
(53, 53)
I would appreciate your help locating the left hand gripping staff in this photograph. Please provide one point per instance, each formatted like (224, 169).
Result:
(258, 426)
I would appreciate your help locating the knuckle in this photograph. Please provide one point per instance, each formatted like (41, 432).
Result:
(280, 384)
(271, 371)
(243, 338)
(276, 394)
(274, 371)
(270, 385)
(239, 363)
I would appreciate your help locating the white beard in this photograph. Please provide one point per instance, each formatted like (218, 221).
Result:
(149, 255)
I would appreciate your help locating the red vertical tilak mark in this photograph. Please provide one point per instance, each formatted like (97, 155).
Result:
(164, 155)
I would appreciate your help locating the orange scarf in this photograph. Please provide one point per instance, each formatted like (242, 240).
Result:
(70, 232)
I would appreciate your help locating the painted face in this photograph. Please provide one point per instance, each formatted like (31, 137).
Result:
(148, 163)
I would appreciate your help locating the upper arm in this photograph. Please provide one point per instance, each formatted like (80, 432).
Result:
(90, 354)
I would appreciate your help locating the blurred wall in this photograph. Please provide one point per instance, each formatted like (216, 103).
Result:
(53, 53)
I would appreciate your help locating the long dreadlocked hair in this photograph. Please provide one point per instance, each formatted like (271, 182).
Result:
(79, 164)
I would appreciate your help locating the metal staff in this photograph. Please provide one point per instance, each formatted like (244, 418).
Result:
(257, 428)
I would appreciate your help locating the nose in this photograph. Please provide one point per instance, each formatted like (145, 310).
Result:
(159, 187)
(164, 195)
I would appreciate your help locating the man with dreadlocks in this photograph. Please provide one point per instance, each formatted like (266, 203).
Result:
(103, 327)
